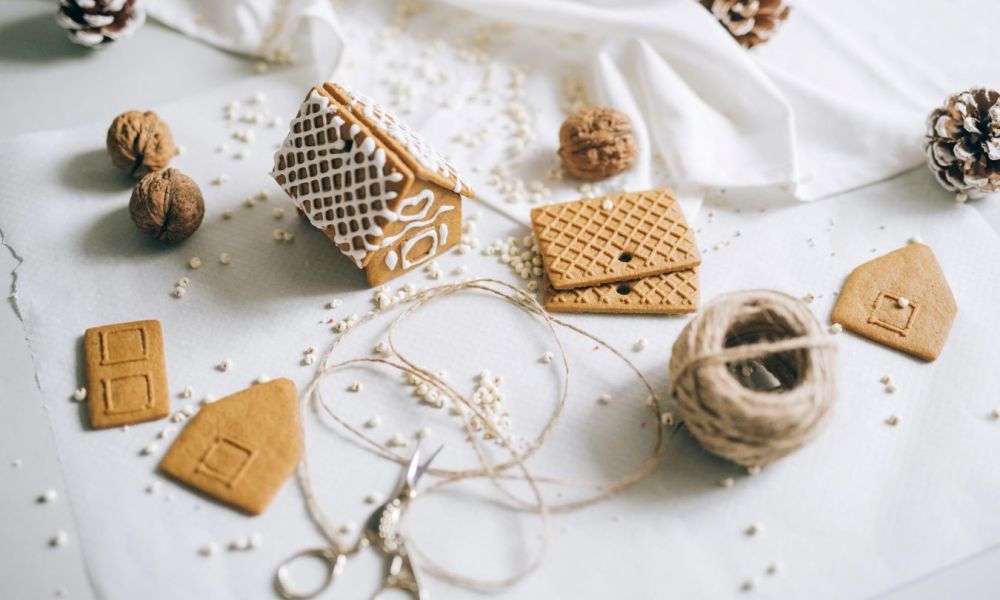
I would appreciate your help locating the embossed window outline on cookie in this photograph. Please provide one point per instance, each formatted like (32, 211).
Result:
(121, 393)
(225, 450)
(886, 305)
(117, 348)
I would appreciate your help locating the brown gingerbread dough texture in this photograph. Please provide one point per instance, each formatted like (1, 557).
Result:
(596, 143)
(140, 143)
(167, 205)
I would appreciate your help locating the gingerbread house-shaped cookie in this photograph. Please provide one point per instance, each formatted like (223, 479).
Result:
(384, 196)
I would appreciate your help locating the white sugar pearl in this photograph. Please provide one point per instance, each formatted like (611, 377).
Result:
(836, 328)
(61, 538)
(334, 303)
(398, 441)
(225, 258)
(641, 344)
(604, 399)
(256, 540)
(178, 292)
(166, 432)
(153, 487)
(189, 410)
(373, 422)
(547, 357)
(727, 482)
(208, 399)
(667, 419)
(225, 365)
(240, 543)
(80, 394)
(347, 528)
(355, 387)
(753, 529)
(195, 262)
(893, 420)
(150, 448)
(423, 433)
(903, 302)
(607, 204)
(279, 213)
(210, 549)
(48, 496)
(309, 359)
(188, 392)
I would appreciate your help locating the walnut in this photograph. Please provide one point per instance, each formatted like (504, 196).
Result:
(167, 205)
(596, 143)
(139, 142)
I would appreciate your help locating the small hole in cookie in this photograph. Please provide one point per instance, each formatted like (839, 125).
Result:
(624, 289)
(625, 256)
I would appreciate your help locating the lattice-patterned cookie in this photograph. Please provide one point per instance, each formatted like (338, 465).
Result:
(614, 238)
(378, 190)
(665, 294)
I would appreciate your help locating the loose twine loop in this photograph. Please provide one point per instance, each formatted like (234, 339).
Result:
(754, 376)
(512, 470)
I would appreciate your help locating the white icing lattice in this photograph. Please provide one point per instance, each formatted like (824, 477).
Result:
(415, 145)
(344, 184)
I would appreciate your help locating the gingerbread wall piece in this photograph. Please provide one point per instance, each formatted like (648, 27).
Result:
(126, 374)
(242, 448)
(901, 300)
(372, 185)
(615, 238)
(665, 294)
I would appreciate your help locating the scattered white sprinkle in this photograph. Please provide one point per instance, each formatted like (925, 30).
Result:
(188, 392)
(221, 179)
(166, 432)
(61, 538)
(262, 379)
(262, 196)
(423, 433)
(382, 348)
(773, 568)
(836, 328)
(334, 303)
(48, 496)
(16, 463)
(209, 549)
(641, 344)
(256, 540)
(995, 414)
(667, 419)
(915, 239)
(604, 399)
(903, 302)
(347, 528)
(241, 543)
(261, 67)
(890, 388)
(178, 292)
(607, 204)
(178, 417)
(886, 379)
(373, 422)
(961, 197)
(258, 98)
(727, 482)
(398, 441)
(225, 258)
(753, 470)
(753, 529)
(150, 448)
(189, 410)
(184, 282)
(748, 585)
(181, 149)
(80, 394)
(547, 357)
(279, 213)
(208, 399)
(227, 214)
(373, 498)
(893, 420)
(241, 154)
(225, 365)
(355, 387)
(308, 359)
(809, 297)
(153, 487)
(195, 262)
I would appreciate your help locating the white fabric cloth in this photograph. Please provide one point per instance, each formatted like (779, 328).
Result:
(835, 101)
(268, 29)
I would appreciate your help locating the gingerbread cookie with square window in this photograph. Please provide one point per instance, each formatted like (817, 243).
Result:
(242, 448)
(901, 300)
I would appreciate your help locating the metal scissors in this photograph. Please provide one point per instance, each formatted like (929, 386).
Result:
(381, 531)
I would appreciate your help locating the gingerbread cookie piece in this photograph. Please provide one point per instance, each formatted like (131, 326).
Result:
(381, 193)
(242, 448)
(665, 294)
(901, 300)
(126, 374)
(621, 237)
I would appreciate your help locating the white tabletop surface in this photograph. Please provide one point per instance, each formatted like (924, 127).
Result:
(49, 84)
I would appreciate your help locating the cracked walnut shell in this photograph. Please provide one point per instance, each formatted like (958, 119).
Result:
(596, 143)
(167, 205)
(140, 143)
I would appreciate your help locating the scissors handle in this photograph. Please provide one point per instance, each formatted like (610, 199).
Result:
(334, 566)
(400, 576)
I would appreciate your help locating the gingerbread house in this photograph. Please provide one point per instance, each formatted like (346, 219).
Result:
(384, 196)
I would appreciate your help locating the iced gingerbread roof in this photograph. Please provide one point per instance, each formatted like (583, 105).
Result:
(348, 164)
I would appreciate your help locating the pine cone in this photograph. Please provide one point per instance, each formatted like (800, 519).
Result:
(963, 143)
(96, 23)
(751, 22)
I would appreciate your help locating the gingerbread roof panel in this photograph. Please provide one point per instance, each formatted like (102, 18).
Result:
(410, 146)
(341, 175)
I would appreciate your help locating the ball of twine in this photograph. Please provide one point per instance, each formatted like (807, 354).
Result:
(754, 376)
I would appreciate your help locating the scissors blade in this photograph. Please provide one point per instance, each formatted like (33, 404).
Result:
(427, 463)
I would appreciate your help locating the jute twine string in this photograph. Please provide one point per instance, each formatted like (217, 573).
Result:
(498, 473)
(754, 376)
